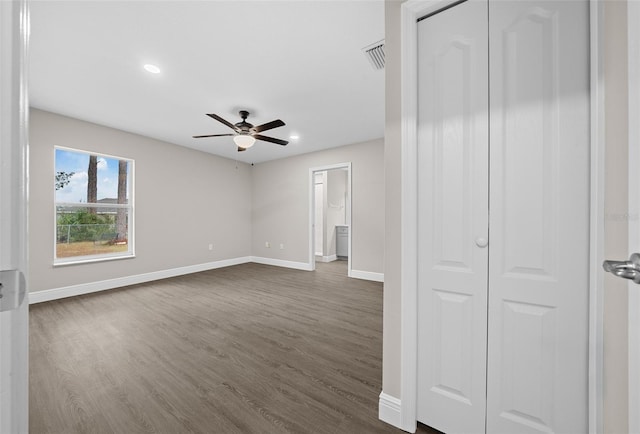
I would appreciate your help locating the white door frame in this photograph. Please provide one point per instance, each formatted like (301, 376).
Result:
(312, 204)
(14, 321)
(319, 209)
(633, 47)
(411, 11)
(597, 220)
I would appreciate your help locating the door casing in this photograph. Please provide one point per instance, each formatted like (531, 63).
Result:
(411, 11)
(633, 47)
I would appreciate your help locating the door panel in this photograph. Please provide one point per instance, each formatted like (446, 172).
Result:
(539, 184)
(453, 334)
(452, 207)
(528, 143)
(452, 219)
(527, 359)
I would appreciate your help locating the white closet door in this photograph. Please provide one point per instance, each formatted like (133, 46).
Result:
(453, 216)
(539, 224)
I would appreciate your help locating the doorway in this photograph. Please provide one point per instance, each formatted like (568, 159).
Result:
(330, 215)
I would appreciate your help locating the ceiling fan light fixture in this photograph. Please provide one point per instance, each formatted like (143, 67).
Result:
(244, 141)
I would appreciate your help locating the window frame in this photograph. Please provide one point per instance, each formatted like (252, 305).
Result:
(129, 206)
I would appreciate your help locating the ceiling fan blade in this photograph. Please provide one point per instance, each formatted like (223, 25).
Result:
(269, 125)
(270, 139)
(219, 119)
(241, 149)
(213, 135)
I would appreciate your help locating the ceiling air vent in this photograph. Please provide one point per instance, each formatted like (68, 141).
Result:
(375, 54)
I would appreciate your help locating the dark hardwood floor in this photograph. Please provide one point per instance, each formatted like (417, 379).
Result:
(243, 349)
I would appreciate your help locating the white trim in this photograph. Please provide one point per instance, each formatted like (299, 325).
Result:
(91, 259)
(99, 154)
(330, 258)
(633, 47)
(281, 263)
(349, 219)
(87, 288)
(596, 230)
(102, 285)
(411, 11)
(312, 219)
(312, 204)
(389, 409)
(367, 275)
(95, 204)
(14, 211)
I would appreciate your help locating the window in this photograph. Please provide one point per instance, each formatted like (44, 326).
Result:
(94, 206)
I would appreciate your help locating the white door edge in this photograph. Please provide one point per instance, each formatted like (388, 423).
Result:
(14, 320)
(633, 47)
(312, 194)
(597, 220)
(411, 11)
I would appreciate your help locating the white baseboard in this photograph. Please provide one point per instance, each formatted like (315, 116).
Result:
(86, 288)
(389, 409)
(367, 275)
(281, 263)
(102, 285)
(329, 258)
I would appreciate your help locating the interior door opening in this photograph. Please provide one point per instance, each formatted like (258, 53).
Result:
(330, 215)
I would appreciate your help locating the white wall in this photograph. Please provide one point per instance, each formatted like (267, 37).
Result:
(184, 200)
(281, 204)
(392, 193)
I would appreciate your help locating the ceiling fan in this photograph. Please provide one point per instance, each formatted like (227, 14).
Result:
(245, 134)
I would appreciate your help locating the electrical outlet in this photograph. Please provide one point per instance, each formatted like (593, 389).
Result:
(281, 246)
(267, 244)
(210, 246)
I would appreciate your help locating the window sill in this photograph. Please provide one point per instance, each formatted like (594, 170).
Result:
(91, 259)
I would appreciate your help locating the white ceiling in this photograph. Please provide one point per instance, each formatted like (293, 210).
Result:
(300, 61)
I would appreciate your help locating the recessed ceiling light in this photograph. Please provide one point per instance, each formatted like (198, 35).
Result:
(294, 137)
(152, 68)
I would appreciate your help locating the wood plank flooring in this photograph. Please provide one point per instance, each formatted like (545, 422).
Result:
(243, 349)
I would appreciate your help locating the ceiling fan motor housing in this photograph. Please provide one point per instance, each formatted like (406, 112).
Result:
(244, 126)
